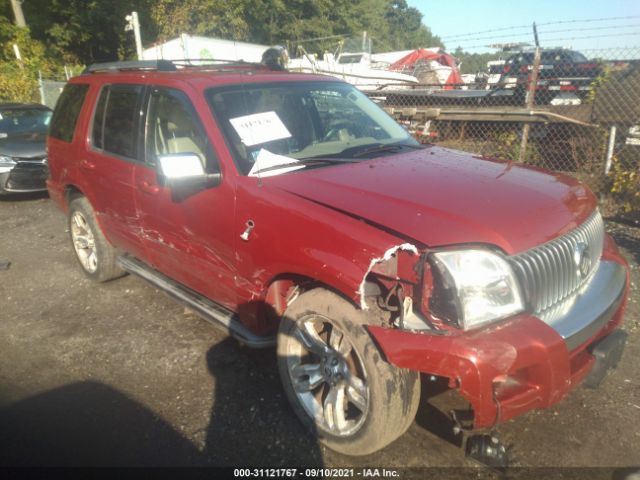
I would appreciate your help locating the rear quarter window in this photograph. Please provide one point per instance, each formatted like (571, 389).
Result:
(67, 111)
(115, 123)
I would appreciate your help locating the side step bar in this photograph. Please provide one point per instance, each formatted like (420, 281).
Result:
(221, 317)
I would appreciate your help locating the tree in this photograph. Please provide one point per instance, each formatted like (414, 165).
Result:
(87, 31)
(474, 62)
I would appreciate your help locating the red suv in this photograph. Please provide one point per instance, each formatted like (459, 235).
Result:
(293, 212)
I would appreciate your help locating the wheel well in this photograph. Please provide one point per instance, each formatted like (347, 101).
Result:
(71, 192)
(285, 288)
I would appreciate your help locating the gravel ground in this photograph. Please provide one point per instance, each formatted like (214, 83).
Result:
(119, 374)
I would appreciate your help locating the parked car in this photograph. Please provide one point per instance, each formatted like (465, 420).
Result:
(23, 156)
(293, 212)
(565, 76)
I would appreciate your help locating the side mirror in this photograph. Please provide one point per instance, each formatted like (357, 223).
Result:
(180, 165)
(184, 174)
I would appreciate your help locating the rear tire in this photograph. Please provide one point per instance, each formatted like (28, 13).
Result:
(336, 380)
(94, 253)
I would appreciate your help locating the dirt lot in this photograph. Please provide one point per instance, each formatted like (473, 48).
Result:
(119, 374)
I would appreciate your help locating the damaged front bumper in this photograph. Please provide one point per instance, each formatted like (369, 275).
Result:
(523, 363)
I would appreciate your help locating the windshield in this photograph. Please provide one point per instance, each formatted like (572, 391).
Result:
(346, 58)
(302, 120)
(20, 121)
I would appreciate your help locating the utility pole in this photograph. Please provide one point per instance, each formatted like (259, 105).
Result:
(16, 5)
(134, 24)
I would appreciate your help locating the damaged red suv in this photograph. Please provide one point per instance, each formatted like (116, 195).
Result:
(293, 212)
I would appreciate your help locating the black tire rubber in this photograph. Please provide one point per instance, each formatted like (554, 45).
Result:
(107, 268)
(394, 393)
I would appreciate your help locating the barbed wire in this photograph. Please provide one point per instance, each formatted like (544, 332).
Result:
(541, 32)
(561, 39)
(519, 27)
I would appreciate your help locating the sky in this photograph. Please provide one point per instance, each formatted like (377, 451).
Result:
(450, 19)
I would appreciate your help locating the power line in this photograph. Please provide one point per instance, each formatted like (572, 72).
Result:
(520, 27)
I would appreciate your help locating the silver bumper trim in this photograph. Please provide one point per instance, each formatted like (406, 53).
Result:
(581, 316)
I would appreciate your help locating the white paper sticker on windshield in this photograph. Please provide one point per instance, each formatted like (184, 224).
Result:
(260, 128)
(267, 160)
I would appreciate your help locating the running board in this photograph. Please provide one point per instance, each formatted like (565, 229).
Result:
(218, 315)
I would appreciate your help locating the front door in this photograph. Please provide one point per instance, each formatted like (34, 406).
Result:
(189, 239)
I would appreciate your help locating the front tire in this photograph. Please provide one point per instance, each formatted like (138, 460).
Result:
(94, 253)
(336, 380)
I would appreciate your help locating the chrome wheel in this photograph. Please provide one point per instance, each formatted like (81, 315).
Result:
(84, 242)
(327, 375)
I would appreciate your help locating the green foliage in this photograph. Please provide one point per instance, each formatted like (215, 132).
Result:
(600, 81)
(18, 79)
(63, 32)
(626, 188)
(86, 31)
(474, 62)
(391, 23)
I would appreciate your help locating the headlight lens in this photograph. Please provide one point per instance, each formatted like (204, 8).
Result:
(482, 284)
(6, 163)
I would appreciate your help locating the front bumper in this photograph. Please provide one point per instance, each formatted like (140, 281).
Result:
(25, 177)
(523, 363)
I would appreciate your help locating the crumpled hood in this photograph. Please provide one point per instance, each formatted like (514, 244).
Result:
(442, 197)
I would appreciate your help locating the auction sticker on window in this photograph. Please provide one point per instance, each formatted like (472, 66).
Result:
(260, 128)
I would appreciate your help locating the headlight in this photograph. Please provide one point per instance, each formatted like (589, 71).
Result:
(6, 164)
(475, 287)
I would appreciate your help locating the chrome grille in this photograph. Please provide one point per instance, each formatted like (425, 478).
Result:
(549, 273)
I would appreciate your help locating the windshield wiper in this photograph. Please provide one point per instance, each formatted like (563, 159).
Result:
(386, 147)
(306, 162)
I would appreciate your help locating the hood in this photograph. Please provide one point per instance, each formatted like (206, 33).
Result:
(439, 197)
(31, 145)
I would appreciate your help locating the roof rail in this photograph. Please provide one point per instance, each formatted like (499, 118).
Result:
(207, 62)
(159, 65)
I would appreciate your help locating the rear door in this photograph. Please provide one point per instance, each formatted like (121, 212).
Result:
(189, 239)
(110, 162)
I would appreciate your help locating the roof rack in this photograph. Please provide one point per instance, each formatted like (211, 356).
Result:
(172, 65)
(213, 62)
(159, 65)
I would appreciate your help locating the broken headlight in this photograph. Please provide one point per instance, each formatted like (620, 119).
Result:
(473, 287)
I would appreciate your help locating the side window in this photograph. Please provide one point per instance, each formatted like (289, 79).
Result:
(115, 123)
(173, 127)
(98, 120)
(67, 111)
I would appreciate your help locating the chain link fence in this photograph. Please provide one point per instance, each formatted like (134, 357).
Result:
(51, 88)
(576, 112)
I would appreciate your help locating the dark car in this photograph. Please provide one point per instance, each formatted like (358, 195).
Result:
(562, 73)
(23, 154)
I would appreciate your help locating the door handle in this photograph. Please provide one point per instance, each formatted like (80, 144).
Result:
(87, 165)
(149, 188)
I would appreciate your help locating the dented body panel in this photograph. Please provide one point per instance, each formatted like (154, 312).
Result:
(506, 369)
